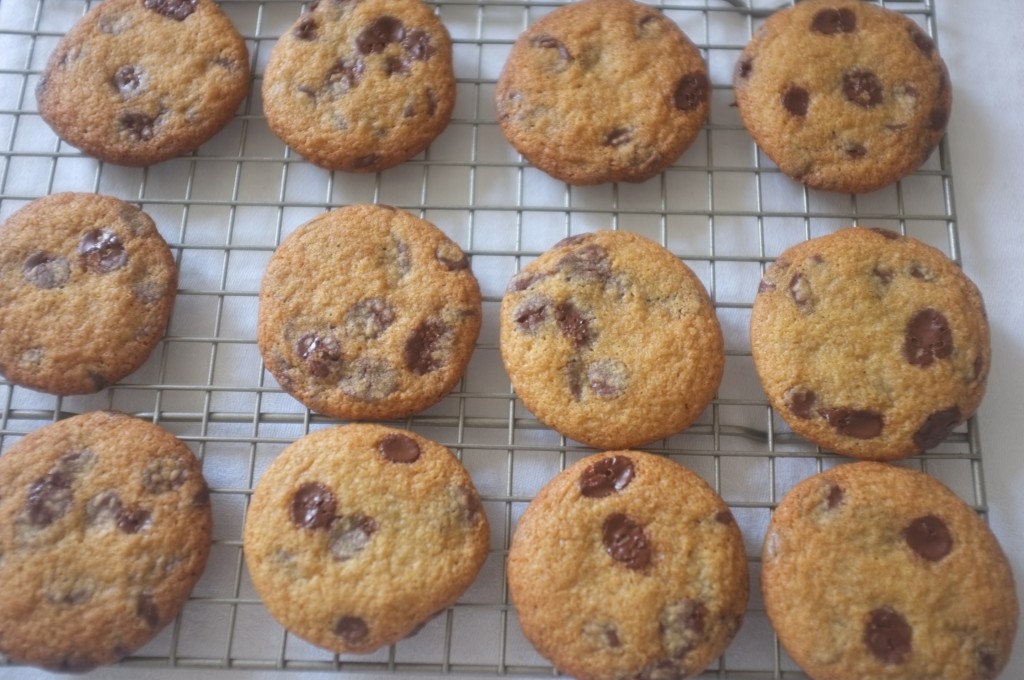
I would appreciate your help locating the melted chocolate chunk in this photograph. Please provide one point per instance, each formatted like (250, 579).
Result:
(574, 325)
(929, 537)
(395, 66)
(938, 119)
(145, 609)
(626, 542)
(549, 42)
(859, 424)
(139, 126)
(531, 314)
(691, 91)
(49, 498)
(888, 636)
(322, 353)
(863, 88)
(344, 75)
(102, 251)
(399, 448)
(378, 35)
(608, 378)
(606, 476)
(888, 234)
(855, 150)
(306, 29)
(369, 318)
(585, 263)
(618, 137)
(46, 271)
(602, 635)
(523, 280)
(451, 257)
(800, 289)
(179, 10)
(928, 337)
(796, 100)
(725, 517)
(417, 45)
(682, 626)
(923, 41)
(313, 506)
(835, 496)
(936, 428)
(133, 519)
(744, 68)
(351, 629)
(127, 80)
(801, 402)
(350, 534)
(427, 348)
(832, 21)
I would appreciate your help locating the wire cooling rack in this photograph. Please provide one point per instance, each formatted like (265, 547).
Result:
(723, 208)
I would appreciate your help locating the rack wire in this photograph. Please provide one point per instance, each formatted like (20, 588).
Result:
(723, 208)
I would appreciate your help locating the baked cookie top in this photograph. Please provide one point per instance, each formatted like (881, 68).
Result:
(870, 344)
(358, 534)
(843, 95)
(361, 85)
(628, 565)
(876, 571)
(603, 91)
(367, 312)
(135, 82)
(105, 527)
(87, 284)
(611, 340)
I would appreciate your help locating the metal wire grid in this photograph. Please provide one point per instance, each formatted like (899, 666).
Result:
(723, 208)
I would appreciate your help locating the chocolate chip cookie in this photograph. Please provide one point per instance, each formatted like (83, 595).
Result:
(135, 82)
(105, 527)
(358, 534)
(876, 571)
(628, 565)
(86, 289)
(843, 95)
(611, 340)
(367, 312)
(870, 344)
(361, 85)
(603, 91)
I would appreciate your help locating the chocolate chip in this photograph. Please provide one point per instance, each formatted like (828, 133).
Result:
(368, 379)
(854, 150)
(164, 474)
(606, 476)
(399, 448)
(608, 378)
(451, 256)
(102, 251)
(46, 271)
(691, 91)
(796, 100)
(618, 137)
(835, 496)
(574, 325)
(322, 353)
(145, 609)
(800, 401)
(938, 119)
(431, 102)
(586, 263)
(929, 537)
(549, 42)
(744, 68)
(417, 45)
(382, 32)
(863, 88)
(888, 636)
(350, 534)
(369, 318)
(306, 29)
(139, 126)
(928, 337)
(128, 79)
(313, 506)
(133, 519)
(725, 517)
(800, 289)
(832, 21)
(923, 41)
(427, 348)
(626, 541)
(351, 629)
(178, 10)
(344, 75)
(682, 626)
(49, 498)
(936, 428)
(531, 313)
(859, 424)
(601, 635)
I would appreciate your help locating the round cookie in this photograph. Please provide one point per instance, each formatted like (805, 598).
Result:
(87, 284)
(356, 535)
(870, 344)
(843, 95)
(603, 91)
(367, 312)
(105, 527)
(135, 82)
(875, 571)
(611, 340)
(628, 565)
(361, 86)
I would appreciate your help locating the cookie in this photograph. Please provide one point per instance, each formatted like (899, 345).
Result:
(361, 85)
(611, 340)
(603, 91)
(875, 571)
(870, 344)
(135, 82)
(367, 312)
(87, 284)
(843, 95)
(628, 565)
(357, 535)
(105, 527)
